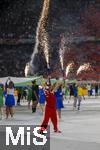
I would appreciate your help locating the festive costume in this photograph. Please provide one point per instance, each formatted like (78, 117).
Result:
(59, 99)
(50, 111)
(66, 91)
(80, 94)
(10, 101)
(41, 96)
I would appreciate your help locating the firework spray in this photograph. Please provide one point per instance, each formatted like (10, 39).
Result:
(69, 68)
(61, 52)
(84, 67)
(27, 69)
(41, 35)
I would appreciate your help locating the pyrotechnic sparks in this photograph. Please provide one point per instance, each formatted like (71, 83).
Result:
(41, 34)
(84, 67)
(26, 69)
(44, 44)
(44, 34)
(69, 68)
(61, 52)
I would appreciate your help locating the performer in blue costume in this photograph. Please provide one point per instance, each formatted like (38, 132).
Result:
(41, 98)
(10, 101)
(59, 100)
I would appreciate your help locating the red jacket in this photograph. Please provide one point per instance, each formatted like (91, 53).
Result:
(50, 99)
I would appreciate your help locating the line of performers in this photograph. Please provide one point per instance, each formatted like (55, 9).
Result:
(49, 97)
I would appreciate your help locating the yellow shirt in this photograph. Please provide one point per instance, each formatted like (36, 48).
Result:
(80, 91)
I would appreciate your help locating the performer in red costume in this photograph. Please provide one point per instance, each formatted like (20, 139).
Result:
(50, 110)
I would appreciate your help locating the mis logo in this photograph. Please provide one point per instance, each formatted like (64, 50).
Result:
(23, 137)
(20, 135)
